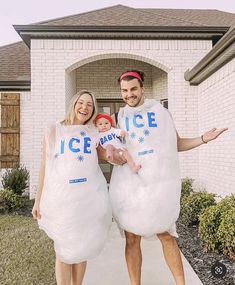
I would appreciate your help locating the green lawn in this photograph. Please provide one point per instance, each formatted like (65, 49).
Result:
(26, 253)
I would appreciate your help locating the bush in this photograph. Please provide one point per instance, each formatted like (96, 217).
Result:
(16, 179)
(217, 226)
(194, 205)
(228, 201)
(10, 201)
(226, 233)
(186, 188)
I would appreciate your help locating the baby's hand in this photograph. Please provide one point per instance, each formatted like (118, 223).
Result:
(123, 133)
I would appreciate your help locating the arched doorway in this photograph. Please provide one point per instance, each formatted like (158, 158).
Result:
(100, 76)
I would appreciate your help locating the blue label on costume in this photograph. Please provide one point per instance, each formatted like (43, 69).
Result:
(145, 152)
(79, 180)
(107, 138)
(139, 121)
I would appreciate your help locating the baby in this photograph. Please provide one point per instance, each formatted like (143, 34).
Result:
(109, 139)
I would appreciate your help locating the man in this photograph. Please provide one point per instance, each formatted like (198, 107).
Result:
(147, 204)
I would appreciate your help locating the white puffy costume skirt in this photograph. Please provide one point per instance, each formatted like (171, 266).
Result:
(75, 206)
(147, 203)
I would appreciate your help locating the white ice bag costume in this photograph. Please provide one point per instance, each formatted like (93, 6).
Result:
(148, 202)
(74, 206)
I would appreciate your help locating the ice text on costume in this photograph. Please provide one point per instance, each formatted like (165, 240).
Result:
(138, 121)
(76, 145)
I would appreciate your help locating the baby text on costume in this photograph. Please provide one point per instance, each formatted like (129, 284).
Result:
(139, 121)
(107, 138)
(76, 145)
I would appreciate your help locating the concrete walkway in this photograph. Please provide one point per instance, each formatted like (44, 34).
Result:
(110, 267)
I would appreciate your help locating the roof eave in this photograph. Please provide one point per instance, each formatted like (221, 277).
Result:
(20, 85)
(27, 32)
(21, 28)
(220, 54)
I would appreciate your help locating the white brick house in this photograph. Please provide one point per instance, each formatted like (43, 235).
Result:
(188, 59)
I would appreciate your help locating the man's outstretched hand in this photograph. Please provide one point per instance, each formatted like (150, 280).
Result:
(213, 134)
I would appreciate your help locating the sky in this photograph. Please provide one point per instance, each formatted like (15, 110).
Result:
(30, 11)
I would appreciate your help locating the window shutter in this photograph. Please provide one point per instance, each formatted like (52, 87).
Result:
(9, 129)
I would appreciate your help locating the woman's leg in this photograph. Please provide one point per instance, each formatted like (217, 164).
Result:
(78, 272)
(63, 272)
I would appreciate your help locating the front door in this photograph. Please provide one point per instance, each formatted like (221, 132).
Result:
(109, 106)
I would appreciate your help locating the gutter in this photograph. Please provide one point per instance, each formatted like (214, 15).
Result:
(21, 85)
(46, 28)
(220, 54)
(27, 32)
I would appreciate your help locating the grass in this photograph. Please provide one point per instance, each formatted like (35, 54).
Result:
(26, 253)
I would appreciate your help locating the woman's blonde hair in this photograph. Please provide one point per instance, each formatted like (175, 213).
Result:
(70, 114)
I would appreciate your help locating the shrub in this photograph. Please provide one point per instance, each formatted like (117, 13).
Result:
(228, 201)
(186, 188)
(193, 205)
(226, 233)
(208, 226)
(10, 201)
(214, 222)
(16, 179)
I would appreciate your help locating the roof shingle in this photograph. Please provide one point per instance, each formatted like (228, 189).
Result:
(207, 18)
(14, 62)
(15, 58)
(120, 15)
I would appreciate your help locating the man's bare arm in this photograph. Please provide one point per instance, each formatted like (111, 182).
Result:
(184, 144)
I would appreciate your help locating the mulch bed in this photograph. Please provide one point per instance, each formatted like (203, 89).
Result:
(202, 262)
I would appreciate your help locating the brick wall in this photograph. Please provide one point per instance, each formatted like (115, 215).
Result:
(53, 81)
(26, 129)
(216, 108)
(101, 76)
(159, 83)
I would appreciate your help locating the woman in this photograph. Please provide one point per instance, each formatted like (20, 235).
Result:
(71, 203)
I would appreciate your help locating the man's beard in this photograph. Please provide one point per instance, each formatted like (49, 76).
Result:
(137, 103)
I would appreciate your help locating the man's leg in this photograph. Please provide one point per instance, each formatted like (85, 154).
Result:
(133, 257)
(172, 257)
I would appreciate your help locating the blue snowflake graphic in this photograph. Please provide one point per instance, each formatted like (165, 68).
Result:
(80, 158)
(133, 135)
(83, 133)
(141, 139)
(146, 133)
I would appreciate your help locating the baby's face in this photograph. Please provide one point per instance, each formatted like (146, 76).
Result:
(103, 125)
